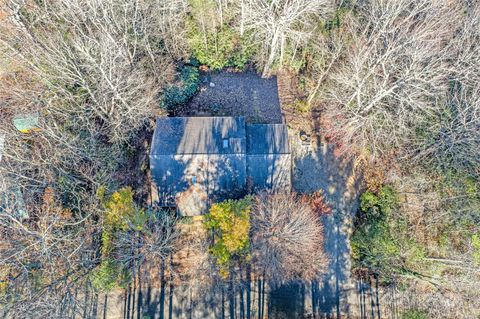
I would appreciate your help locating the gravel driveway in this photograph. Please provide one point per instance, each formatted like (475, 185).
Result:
(236, 94)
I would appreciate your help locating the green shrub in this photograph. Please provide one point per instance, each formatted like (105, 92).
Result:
(414, 314)
(119, 208)
(381, 242)
(105, 277)
(119, 214)
(461, 199)
(179, 94)
(337, 21)
(119, 211)
(242, 54)
(382, 203)
(223, 48)
(374, 247)
(229, 222)
(215, 53)
(368, 200)
(186, 220)
(301, 106)
(476, 248)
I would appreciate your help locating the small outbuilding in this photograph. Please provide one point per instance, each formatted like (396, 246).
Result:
(26, 123)
(199, 160)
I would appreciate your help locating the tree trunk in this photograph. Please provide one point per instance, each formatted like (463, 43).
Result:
(271, 57)
(242, 18)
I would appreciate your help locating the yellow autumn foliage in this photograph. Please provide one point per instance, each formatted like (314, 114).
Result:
(230, 223)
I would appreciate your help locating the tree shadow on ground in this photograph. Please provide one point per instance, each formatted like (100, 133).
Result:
(319, 168)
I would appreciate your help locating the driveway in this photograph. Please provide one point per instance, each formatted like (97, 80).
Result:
(318, 168)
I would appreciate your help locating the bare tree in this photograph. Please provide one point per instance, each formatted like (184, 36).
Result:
(45, 260)
(287, 238)
(395, 67)
(92, 58)
(171, 21)
(460, 140)
(93, 71)
(154, 241)
(466, 65)
(273, 23)
(453, 137)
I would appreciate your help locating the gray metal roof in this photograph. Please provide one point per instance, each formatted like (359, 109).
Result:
(267, 139)
(269, 172)
(217, 177)
(199, 135)
(196, 160)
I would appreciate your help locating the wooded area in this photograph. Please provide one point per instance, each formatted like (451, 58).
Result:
(394, 85)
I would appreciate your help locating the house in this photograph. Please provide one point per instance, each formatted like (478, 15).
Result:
(199, 160)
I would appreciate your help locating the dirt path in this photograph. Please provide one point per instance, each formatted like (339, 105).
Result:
(289, 94)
